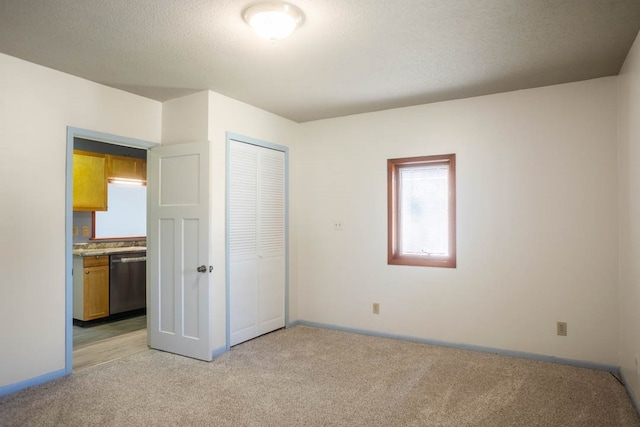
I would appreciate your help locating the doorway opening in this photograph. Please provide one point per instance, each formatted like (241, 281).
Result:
(106, 256)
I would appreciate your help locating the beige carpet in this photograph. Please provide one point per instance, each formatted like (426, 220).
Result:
(307, 376)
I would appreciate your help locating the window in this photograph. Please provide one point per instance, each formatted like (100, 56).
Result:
(127, 214)
(422, 211)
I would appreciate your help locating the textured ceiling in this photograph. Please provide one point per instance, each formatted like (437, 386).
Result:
(350, 56)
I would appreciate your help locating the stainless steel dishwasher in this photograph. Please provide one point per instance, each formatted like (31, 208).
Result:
(128, 282)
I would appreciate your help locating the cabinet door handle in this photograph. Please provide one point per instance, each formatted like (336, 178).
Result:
(86, 272)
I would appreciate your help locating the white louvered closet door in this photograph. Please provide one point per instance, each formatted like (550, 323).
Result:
(256, 241)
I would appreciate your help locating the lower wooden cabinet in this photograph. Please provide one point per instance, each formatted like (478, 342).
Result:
(90, 287)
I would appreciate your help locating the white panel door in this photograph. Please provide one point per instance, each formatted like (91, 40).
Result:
(178, 249)
(256, 241)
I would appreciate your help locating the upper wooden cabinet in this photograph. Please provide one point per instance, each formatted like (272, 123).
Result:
(126, 167)
(89, 181)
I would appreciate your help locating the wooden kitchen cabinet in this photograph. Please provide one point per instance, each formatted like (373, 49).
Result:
(89, 181)
(91, 287)
(126, 167)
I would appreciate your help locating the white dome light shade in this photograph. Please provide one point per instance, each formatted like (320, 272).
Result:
(273, 20)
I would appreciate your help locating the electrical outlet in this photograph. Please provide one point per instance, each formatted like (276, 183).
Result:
(562, 329)
(337, 225)
(74, 230)
(376, 308)
(85, 230)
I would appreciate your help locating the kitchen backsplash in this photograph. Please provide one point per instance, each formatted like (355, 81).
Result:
(82, 219)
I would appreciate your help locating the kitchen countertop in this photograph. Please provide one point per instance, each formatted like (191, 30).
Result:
(108, 251)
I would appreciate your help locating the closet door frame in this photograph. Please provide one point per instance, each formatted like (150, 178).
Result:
(264, 144)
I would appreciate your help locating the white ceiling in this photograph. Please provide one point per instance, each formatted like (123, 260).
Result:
(350, 56)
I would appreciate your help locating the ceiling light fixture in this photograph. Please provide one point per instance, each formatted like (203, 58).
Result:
(273, 20)
(126, 181)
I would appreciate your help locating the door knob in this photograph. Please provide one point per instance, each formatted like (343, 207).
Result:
(202, 269)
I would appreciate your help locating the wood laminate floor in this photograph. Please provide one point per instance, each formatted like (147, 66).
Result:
(89, 334)
(105, 342)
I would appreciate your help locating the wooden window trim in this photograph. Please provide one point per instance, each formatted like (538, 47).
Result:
(393, 255)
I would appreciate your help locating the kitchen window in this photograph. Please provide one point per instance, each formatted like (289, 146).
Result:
(422, 211)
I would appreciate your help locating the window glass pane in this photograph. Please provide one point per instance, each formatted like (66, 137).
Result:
(127, 214)
(424, 212)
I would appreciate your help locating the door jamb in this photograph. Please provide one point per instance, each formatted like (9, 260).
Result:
(73, 132)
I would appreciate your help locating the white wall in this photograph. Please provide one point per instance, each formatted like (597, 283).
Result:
(36, 106)
(537, 230)
(629, 175)
(185, 119)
